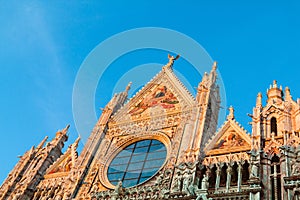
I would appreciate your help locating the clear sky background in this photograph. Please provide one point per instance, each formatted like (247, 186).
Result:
(43, 43)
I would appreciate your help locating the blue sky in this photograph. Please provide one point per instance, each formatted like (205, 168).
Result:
(43, 44)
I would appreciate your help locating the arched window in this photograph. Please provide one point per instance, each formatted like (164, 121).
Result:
(274, 126)
(212, 178)
(275, 178)
(223, 176)
(234, 177)
(245, 173)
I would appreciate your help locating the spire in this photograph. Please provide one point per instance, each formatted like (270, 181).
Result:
(204, 82)
(274, 84)
(31, 151)
(65, 130)
(74, 151)
(42, 143)
(75, 144)
(214, 68)
(62, 132)
(259, 100)
(288, 93)
(213, 73)
(230, 116)
(128, 87)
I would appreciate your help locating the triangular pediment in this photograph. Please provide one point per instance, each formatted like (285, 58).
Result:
(163, 94)
(272, 147)
(61, 167)
(271, 108)
(65, 163)
(230, 138)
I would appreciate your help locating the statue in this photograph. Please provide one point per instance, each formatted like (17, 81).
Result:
(254, 171)
(296, 168)
(177, 183)
(186, 183)
(119, 188)
(171, 60)
(204, 182)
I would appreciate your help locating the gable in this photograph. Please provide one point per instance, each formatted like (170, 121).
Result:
(61, 167)
(229, 139)
(159, 96)
(162, 95)
(271, 108)
(65, 163)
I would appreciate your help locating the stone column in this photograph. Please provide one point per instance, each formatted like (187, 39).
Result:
(284, 169)
(239, 182)
(228, 181)
(218, 173)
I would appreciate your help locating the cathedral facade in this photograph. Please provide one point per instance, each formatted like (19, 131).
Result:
(164, 144)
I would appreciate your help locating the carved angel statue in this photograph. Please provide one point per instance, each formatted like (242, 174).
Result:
(204, 182)
(296, 168)
(186, 183)
(171, 60)
(119, 188)
(254, 171)
(177, 183)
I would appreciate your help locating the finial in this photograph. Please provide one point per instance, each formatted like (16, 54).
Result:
(231, 113)
(62, 132)
(65, 130)
(42, 143)
(274, 84)
(171, 61)
(215, 66)
(259, 99)
(128, 87)
(288, 93)
(205, 81)
(75, 144)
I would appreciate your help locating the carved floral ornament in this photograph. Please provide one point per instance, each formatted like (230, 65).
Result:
(118, 144)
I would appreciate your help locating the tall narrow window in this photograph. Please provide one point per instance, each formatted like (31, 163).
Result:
(223, 176)
(245, 173)
(234, 177)
(212, 178)
(274, 126)
(275, 178)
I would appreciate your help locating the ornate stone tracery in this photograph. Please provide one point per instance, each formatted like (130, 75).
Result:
(201, 162)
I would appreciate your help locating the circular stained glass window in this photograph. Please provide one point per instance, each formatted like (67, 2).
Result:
(137, 163)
